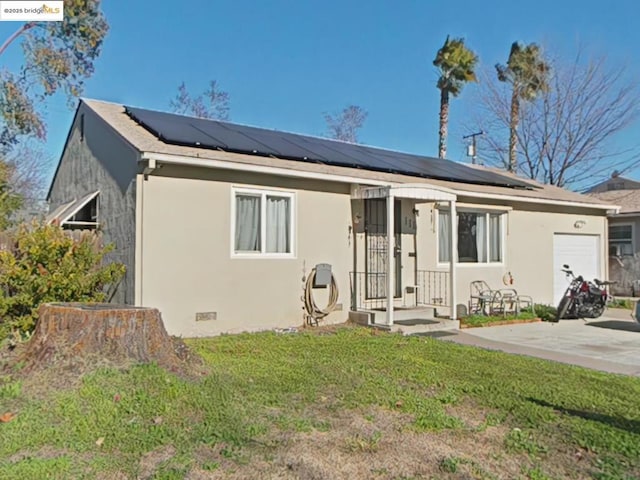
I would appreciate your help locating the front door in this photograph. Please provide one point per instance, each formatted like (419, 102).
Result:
(377, 248)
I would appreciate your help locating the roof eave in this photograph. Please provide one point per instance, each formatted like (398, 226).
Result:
(160, 158)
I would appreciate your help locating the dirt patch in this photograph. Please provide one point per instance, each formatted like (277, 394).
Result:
(380, 444)
(150, 462)
(66, 371)
(45, 453)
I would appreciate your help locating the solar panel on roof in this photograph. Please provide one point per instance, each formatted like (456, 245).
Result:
(211, 134)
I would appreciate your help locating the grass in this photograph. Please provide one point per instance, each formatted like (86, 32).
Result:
(264, 393)
(485, 320)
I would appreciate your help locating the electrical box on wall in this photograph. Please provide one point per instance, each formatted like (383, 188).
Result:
(323, 275)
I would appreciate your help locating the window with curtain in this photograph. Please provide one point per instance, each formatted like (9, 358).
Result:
(263, 222)
(479, 237)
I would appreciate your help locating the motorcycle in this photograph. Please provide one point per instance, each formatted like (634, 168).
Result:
(583, 299)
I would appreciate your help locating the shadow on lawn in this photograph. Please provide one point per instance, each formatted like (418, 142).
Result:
(631, 426)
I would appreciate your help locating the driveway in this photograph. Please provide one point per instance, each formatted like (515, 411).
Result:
(610, 343)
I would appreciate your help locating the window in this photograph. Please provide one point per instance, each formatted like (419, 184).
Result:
(263, 223)
(479, 237)
(79, 214)
(620, 240)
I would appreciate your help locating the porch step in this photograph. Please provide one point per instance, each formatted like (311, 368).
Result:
(410, 322)
(400, 314)
(369, 317)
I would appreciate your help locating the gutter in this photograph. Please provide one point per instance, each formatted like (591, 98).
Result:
(546, 201)
(154, 161)
(624, 214)
(159, 158)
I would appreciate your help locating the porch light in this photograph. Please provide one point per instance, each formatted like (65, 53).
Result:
(579, 224)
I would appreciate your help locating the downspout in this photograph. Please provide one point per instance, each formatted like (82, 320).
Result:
(138, 283)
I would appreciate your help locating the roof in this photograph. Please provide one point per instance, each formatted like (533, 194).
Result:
(628, 200)
(231, 137)
(616, 182)
(141, 139)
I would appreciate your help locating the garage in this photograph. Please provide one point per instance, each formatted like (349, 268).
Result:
(581, 253)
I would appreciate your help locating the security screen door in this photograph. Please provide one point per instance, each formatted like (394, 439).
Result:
(377, 248)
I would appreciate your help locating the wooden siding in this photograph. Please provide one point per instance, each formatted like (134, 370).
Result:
(95, 158)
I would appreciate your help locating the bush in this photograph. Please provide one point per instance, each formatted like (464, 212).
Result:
(546, 313)
(44, 263)
(625, 303)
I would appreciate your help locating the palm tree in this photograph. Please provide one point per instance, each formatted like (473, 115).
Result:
(456, 66)
(527, 72)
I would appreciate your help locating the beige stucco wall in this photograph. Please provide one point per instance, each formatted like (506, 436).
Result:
(528, 235)
(186, 265)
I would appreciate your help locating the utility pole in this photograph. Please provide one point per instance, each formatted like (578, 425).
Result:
(471, 149)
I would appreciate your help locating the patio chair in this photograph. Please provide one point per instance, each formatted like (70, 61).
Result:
(487, 301)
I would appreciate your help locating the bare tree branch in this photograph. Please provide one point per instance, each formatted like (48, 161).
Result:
(212, 104)
(564, 137)
(345, 125)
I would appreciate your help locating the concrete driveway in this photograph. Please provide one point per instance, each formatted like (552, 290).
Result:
(610, 343)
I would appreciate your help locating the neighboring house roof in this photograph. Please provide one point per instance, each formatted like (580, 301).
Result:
(141, 139)
(616, 182)
(628, 200)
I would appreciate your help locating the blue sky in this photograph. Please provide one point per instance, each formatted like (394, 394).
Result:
(285, 63)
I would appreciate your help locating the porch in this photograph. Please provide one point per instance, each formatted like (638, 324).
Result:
(387, 287)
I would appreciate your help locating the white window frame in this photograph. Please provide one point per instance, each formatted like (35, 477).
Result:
(487, 212)
(263, 194)
(633, 239)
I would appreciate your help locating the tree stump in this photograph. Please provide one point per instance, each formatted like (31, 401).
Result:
(72, 333)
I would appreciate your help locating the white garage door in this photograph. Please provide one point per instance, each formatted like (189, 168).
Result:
(581, 253)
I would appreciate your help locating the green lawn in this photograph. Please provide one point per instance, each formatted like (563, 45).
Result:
(350, 403)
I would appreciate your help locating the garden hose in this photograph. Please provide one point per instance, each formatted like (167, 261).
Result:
(315, 314)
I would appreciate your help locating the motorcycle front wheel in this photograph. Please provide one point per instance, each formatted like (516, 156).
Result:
(563, 307)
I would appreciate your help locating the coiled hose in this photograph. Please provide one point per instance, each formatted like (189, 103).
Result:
(315, 314)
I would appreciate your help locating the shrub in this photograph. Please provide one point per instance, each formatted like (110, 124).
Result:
(625, 303)
(44, 263)
(546, 313)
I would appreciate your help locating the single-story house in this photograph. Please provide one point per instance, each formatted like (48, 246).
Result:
(624, 232)
(220, 224)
